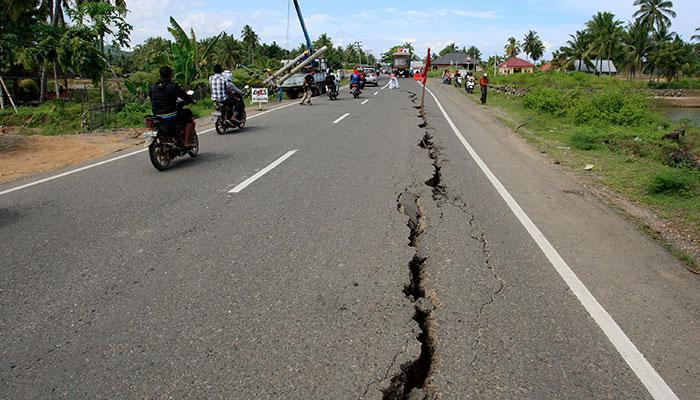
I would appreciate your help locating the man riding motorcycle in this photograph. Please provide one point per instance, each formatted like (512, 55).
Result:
(164, 94)
(355, 78)
(332, 81)
(224, 91)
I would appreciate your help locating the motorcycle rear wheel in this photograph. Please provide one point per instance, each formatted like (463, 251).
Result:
(159, 155)
(220, 126)
(195, 150)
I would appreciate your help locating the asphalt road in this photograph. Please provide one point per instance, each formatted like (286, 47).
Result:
(377, 260)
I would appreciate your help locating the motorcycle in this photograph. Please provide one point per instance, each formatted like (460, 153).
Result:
(355, 90)
(332, 91)
(222, 118)
(166, 140)
(469, 86)
(458, 81)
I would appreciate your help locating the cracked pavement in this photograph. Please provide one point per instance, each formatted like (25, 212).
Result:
(378, 262)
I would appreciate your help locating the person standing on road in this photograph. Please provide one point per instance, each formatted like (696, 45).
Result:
(308, 93)
(484, 83)
(393, 82)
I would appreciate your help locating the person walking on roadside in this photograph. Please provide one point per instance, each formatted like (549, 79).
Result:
(308, 93)
(484, 83)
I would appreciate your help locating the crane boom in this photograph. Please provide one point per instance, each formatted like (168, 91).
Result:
(303, 27)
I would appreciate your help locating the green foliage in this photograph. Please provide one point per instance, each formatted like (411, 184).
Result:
(188, 60)
(587, 139)
(673, 183)
(547, 101)
(613, 107)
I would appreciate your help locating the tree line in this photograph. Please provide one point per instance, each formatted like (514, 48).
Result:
(645, 45)
(87, 37)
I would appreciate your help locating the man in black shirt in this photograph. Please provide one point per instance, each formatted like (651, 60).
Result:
(164, 95)
(309, 80)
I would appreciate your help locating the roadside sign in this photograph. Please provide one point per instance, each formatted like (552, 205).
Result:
(260, 95)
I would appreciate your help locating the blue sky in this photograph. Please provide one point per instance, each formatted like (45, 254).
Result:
(380, 24)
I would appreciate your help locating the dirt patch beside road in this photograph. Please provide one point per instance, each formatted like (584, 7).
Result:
(25, 155)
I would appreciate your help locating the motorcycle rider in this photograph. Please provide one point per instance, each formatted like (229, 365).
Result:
(220, 92)
(235, 95)
(470, 83)
(355, 78)
(164, 94)
(332, 82)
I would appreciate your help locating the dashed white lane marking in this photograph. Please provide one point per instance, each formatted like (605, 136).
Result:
(364, 102)
(651, 379)
(262, 172)
(97, 164)
(341, 118)
(376, 93)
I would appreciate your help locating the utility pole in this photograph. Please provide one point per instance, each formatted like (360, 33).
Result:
(495, 61)
(358, 45)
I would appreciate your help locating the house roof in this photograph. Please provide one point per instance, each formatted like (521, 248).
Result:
(601, 66)
(454, 59)
(516, 62)
(546, 67)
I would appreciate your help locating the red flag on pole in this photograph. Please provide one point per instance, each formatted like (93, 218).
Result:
(427, 67)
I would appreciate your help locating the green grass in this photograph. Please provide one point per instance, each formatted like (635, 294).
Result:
(623, 139)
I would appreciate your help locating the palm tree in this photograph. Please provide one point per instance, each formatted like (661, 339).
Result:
(637, 45)
(251, 40)
(536, 50)
(606, 34)
(696, 37)
(512, 47)
(323, 40)
(655, 13)
(450, 48)
(530, 41)
(576, 49)
(474, 53)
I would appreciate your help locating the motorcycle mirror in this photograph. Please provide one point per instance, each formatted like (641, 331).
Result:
(190, 92)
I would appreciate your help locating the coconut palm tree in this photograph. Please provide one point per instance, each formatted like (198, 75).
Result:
(536, 50)
(655, 13)
(251, 40)
(530, 42)
(576, 49)
(474, 53)
(606, 35)
(323, 40)
(512, 47)
(637, 44)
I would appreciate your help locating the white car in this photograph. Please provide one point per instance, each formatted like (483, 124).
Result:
(371, 77)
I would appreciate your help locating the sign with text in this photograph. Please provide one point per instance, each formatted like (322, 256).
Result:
(259, 95)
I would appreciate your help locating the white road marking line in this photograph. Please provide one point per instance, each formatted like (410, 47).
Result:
(74, 171)
(262, 172)
(376, 93)
(364, 102)
(651, 379)
(341, 118)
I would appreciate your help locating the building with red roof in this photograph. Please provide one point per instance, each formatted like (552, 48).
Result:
(516, 65)
(546, 67)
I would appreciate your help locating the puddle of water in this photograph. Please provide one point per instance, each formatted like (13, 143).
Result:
(680, 114)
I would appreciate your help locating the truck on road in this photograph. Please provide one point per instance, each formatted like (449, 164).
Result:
(402, 62)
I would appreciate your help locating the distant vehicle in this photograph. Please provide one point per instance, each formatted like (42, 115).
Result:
(401, 63)
(371, 77)
(295, 84)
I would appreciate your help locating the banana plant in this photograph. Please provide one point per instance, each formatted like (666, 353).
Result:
(187, 60)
